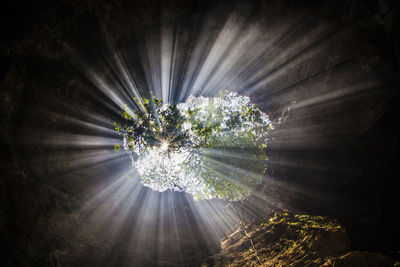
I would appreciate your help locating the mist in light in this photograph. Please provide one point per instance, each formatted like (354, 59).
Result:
(268, 62)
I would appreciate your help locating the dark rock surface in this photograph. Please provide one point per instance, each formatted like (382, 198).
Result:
(293, 240)
(335, 103)
(336, 152)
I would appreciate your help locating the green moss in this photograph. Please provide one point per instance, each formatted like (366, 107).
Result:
(293, 228)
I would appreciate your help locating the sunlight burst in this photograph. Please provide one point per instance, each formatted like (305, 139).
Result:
(181, 147)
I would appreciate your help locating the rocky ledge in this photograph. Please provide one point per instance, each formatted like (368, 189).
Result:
(286, 239)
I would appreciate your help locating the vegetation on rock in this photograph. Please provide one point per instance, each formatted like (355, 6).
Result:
(286, 239)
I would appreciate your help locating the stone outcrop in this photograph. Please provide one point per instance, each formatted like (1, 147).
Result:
(297, 240)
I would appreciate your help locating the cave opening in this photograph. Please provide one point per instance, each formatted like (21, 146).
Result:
(121, 147)
(208, 147)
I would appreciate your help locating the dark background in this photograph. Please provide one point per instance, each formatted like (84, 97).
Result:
(335, 150)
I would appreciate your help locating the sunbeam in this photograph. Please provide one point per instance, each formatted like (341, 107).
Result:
(190, 133)
(176, 65)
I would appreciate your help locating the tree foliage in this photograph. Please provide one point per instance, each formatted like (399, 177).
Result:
(210, 147)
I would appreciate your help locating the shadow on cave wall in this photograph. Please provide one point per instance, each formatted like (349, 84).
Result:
(335, 150)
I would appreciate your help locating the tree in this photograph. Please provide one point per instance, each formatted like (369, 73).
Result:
(210, 147)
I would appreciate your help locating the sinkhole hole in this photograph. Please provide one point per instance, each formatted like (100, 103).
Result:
(208, 147)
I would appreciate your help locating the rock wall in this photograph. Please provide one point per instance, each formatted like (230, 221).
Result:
(334, 102)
